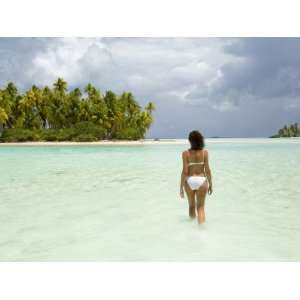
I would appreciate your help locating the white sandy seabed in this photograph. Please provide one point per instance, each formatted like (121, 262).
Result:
(121, 203)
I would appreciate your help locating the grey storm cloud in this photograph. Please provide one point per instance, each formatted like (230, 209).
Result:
(222, 86)
(15, 57)
(268, 68)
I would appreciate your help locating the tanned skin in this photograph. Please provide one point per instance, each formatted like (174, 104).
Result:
(196, 170)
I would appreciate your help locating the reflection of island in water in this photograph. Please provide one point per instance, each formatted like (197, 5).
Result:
(288, 131)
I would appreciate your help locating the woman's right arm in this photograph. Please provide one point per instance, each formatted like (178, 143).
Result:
(208, 173)
(184, 174)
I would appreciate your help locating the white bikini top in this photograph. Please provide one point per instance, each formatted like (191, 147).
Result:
(197, 163)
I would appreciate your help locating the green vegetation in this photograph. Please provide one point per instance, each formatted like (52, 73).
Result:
(55, 114)
(288, 131)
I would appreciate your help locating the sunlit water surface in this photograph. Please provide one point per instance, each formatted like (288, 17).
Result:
(121, 203)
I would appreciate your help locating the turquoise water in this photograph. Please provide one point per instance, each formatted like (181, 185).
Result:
(121, 203)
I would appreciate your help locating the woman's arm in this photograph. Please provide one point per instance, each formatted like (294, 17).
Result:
(184, 173)
(208, 172)
(182, 179)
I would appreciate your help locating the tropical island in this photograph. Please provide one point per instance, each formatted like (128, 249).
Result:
(56, 114)
(288, 131)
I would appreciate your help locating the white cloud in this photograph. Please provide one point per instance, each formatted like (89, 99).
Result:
(65, 57)
(151, 67)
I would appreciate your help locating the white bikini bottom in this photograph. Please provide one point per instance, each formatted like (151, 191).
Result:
(195, 181)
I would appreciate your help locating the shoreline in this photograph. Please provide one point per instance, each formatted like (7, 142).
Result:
(100, 143)
(150, 142)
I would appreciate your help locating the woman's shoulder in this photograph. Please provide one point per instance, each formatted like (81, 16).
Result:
(205, 151)
(185, 152)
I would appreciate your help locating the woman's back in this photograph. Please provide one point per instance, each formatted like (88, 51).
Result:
(196, 159)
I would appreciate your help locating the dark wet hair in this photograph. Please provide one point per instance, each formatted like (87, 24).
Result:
(196, 140)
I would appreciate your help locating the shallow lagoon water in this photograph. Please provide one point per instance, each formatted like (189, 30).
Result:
(121, 203)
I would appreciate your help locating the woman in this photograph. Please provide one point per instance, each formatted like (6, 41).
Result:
(196, 175)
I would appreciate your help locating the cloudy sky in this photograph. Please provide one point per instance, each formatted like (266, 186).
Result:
(239, 87)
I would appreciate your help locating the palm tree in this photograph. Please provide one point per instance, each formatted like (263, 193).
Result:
(90, 89)
(8, 101)
(84, 111)
(3, 119)
(289, 131)
(110, 100)
(29, 106)
(98, 107)
(58, 104)
(60, 85)
(144, 122)
(296, 128)
(132, 104)
(280, 132)
(150, 107)
(120, 116)
(73, 107)
(285, 131)
(12, 90)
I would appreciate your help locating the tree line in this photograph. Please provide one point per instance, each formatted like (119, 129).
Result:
(58, 114)
(288, 131)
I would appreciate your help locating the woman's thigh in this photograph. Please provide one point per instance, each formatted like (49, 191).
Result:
(190, 194)
(201, 193)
